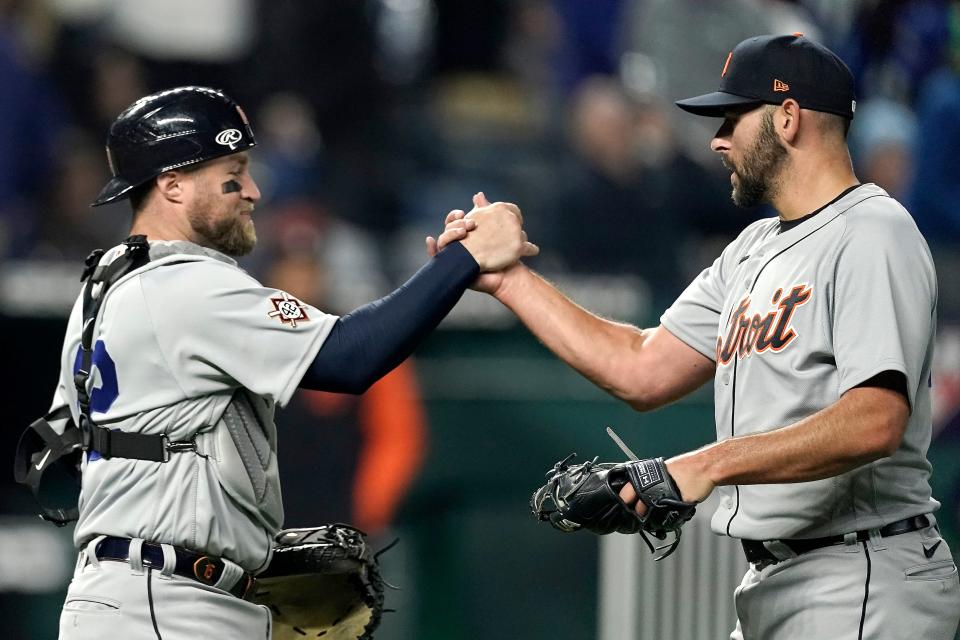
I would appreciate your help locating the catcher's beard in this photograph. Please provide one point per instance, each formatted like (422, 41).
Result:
(758, 175)
(233, 234)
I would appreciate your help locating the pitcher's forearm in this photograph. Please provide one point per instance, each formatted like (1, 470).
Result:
(864, 425)
(604, 352)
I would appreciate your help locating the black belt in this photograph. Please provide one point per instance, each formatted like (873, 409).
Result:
(190, 564)
(757, 553)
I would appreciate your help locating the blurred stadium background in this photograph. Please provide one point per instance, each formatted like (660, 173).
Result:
(375, 118)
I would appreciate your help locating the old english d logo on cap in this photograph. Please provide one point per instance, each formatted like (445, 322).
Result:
(726, 64)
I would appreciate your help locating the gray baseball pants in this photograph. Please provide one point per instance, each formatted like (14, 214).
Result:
(109, 599)
(892, 588)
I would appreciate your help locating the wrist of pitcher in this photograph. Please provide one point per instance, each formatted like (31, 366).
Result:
(692, 474)
(512, 284)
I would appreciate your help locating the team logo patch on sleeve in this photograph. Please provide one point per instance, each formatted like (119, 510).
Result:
(289, 310)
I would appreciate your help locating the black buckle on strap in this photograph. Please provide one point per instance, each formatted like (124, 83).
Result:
(90, 264)
(183, 446)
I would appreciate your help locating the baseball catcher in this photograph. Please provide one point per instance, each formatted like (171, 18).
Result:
(148, 427)
(322, 582)
(587, 496)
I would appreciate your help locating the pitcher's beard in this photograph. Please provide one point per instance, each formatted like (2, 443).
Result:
(758, 176)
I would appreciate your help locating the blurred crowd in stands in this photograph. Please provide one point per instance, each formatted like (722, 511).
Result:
(377, 117)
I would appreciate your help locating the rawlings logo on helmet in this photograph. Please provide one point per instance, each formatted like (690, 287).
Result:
(229, 138)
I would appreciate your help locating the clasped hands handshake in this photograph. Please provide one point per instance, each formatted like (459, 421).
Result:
(492, 233)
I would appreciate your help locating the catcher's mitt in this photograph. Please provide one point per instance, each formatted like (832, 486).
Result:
(322, 582)
(587, 496)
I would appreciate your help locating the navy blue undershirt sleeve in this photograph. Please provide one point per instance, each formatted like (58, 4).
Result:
(890, 379)
(368, 343)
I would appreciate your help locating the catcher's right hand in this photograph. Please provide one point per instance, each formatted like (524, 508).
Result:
(586, 496)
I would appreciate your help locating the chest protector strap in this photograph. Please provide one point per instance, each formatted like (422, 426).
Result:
(41, 446)
(99, 278)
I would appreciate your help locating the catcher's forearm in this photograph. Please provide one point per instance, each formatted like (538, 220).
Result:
(864, 425)
(371, 341)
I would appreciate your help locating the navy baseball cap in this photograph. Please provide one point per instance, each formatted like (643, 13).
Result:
(770, 69)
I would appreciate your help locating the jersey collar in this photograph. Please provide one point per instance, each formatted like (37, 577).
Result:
(163, 248)
(779, 241)
(786, 225)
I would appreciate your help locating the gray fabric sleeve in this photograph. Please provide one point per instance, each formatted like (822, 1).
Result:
(695, 316)
(218, 326)
(884, 297)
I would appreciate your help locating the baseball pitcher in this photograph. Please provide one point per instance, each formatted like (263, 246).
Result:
(816, 328)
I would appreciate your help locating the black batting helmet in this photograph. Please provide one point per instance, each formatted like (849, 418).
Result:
(169, 130)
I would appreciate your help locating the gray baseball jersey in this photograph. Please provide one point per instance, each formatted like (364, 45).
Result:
(793, 320)
(191, 346)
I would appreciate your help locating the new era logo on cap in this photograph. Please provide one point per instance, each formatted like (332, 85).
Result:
(780, 85)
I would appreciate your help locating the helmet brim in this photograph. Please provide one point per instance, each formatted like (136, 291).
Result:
(115, 189)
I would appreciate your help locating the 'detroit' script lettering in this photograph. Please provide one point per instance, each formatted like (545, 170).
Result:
(758, 333)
